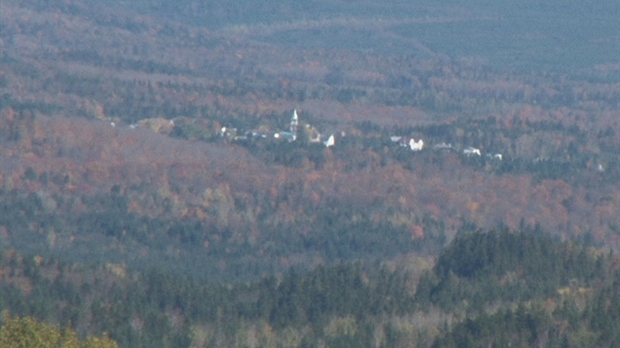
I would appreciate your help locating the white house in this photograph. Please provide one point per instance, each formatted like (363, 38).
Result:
(416, 146)
(470, 151)
(312, 134)
(288, 136)
(331, 141)
(408, 142)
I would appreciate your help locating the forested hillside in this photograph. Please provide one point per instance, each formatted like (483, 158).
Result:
(496, 288)
(153, 183)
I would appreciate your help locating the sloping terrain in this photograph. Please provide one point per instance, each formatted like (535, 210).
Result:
(138, 155)
(101, 104)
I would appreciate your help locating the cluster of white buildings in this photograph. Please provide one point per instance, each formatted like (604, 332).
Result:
(313, 136)
(408, 142)
(472, 151)
(289, 135)
(418, 145)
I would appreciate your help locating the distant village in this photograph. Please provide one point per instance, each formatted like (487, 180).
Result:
(309, 132)
(290, 135)
(314, 136)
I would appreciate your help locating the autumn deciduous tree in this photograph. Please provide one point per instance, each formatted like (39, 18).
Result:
(29, 333)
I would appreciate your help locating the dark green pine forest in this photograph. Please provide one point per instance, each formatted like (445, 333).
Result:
(494, 288)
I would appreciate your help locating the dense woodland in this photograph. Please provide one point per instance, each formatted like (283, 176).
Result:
(125, 210)
(529, 287)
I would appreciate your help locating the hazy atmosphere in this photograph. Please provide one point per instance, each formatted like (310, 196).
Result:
(350, 173)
